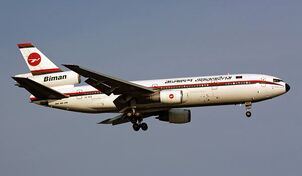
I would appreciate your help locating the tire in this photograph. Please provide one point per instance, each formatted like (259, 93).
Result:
(144, 126)
(248, 114)
(136, 127)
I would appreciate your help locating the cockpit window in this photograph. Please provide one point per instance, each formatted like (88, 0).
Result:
(277, 80)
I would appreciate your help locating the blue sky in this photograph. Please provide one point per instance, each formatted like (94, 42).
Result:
(137, 40)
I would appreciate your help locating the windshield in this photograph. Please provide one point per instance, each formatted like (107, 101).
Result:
(277, 80)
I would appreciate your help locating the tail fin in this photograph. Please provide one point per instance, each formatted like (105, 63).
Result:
(36, 61)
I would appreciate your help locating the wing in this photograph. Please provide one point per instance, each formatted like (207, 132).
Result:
(38, 90)
(120, 119)
(108, 84)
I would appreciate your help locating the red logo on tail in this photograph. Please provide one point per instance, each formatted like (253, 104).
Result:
(34, 59)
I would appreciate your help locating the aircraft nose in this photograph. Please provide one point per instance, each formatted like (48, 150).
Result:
(287, 87)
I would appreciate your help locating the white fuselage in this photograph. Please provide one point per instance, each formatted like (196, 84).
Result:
(195, 91)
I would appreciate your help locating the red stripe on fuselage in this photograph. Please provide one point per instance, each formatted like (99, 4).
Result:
(181, 86)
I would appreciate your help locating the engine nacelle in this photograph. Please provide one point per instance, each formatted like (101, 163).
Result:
(178, 116)
(172, 96)
(56, 79)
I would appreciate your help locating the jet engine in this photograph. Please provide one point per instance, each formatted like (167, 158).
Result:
(169, 97)
(177, 116)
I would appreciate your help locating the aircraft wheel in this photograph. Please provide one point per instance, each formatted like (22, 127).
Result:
(136, 127)
(248, 114)
(144, 126)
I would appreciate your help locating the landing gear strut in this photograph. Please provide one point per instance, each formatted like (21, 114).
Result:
(248, 107)
(135, 117)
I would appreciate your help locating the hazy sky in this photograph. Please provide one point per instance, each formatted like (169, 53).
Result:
(137, 40)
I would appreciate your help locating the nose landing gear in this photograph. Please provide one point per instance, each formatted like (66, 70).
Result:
(248, 107)
(248, 114)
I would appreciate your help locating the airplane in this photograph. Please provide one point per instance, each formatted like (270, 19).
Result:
(167, 100)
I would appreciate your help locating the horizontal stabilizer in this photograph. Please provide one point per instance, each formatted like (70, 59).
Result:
(38, 90)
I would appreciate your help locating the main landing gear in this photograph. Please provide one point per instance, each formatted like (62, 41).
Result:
(248, 107)
(137, 126)
(137, 121)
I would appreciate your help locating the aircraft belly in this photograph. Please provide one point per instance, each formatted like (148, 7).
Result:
(89, 103)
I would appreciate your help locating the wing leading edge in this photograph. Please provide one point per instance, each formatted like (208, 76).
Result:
(108, 84)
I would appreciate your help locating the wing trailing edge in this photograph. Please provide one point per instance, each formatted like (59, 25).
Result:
(119, 119)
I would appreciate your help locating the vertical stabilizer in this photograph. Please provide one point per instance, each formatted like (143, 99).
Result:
(36, 61)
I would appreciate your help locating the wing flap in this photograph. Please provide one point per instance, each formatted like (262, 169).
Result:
(38, 90)
(101, 86)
